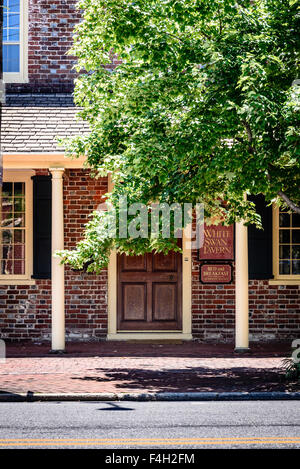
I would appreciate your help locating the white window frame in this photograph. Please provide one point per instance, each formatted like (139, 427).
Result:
(280, 278)
(23, 176)
(22, 75)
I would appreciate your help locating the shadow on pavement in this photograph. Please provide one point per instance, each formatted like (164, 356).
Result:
(115, 407)
(193, 379)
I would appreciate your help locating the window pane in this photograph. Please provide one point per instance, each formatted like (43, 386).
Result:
(284, 252)
(296, 236)
(7, 189)
(19, 236)
(6, 213)
(284, 236)
(6, 252)
(296, 219)
(7, 219)
(7, 204)
(284, 267)
(19, 251)
(7, 236)
(14, 5)
(13, 35)
(284, 219)
(19, 219)
(19, 267)
(296, 252)
(19, 189)
(13, 20)
(296, 268)
(19, 204)
(6, 267)
(11, 58)
(3, 252)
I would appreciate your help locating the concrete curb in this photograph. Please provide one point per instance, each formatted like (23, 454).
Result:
(165, 396)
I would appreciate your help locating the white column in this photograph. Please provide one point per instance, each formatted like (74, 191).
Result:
(241, 288)
(58, 281)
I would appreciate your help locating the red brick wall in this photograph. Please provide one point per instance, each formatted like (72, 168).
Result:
(51, 23)
(25, 311)
(86, 294)
(274, 311)
(50, 36)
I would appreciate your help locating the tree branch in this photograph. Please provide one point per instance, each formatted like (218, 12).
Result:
(184, 42)
(289, 202)
(286, 199)
(250, 136)
(175, 37)
(281, 194)
(220, 26)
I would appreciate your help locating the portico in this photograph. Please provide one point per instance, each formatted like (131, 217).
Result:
(57, 164)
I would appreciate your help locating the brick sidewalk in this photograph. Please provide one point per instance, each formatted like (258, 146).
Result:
(114, 367)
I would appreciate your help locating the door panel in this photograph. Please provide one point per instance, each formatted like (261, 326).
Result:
(134, 263)
(134, 301)
(162, 263)
(149, 292)
(164, 301)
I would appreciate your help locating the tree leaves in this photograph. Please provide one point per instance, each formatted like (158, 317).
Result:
(203, 106)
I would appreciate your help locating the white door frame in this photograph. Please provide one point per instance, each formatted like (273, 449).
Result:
(184, 334)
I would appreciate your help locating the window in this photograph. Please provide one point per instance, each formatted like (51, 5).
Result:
(286, 244)
(16, 227)
(15, 41)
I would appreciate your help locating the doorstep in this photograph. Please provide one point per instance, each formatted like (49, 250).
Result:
(150, 337)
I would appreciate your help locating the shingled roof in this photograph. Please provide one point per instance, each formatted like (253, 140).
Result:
(33, 123)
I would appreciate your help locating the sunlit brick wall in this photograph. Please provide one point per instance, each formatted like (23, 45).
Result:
(25, 310)
(274, 311)
(50, 30)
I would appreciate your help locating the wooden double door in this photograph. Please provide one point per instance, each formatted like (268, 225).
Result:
(149, 292)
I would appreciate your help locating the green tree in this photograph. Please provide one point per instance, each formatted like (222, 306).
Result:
(203, 107)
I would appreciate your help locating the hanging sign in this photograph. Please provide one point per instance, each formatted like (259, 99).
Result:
(215, 273)
(218, 243)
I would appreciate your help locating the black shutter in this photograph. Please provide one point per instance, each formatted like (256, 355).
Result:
(42, 194)
(260, 242)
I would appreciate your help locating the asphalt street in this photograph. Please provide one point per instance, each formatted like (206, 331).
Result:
(255, 424)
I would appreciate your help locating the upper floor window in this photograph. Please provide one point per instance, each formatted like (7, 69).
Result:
(15, 41)
(287, 244)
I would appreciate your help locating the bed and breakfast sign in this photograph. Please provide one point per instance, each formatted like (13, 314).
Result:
(217, 253)
(215, 273)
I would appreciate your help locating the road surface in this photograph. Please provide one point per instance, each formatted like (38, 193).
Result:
(255, 424)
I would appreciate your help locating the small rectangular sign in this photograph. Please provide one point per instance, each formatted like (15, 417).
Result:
(218, 243)
(215, 273)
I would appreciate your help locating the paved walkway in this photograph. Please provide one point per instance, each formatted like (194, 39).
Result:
(119, 367)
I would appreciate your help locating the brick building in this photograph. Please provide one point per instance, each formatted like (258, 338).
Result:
(46, 201)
